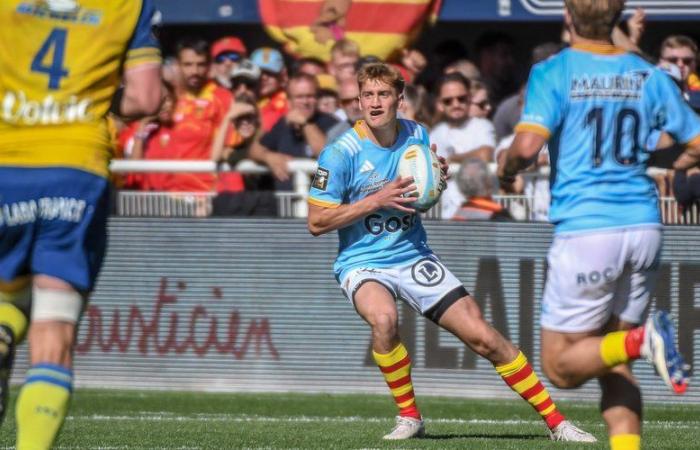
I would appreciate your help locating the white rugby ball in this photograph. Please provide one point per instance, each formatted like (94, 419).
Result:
(419, 162)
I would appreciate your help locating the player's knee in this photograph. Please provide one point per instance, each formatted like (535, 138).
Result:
(384, 324)
(555, 371)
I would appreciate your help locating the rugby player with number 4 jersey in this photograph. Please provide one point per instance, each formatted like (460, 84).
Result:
(600, 108)
(384, 256)
(61, 63)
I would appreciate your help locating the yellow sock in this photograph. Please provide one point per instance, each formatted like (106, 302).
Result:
(42, 406)
(12, 296)
(625, 442)
(396, 368)
(14, 319)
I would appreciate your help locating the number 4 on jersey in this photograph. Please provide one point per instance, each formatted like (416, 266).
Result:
(54, 45)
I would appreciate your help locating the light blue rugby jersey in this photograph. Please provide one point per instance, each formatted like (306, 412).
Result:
(600, 107)
(353, 167)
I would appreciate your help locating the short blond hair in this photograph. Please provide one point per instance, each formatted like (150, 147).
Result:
(679, 41)
(595, 19)
(346, 47)
(381, 72)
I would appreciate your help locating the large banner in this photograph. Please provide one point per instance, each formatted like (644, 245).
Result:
(252, 305)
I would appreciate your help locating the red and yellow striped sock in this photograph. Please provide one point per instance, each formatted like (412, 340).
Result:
(519, 375)
(621, 347)
(396, 368)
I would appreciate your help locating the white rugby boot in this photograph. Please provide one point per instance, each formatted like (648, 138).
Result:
(406, 428)
(659, 348)
(568, 432)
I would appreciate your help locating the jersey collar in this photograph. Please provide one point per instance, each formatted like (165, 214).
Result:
(600, 49)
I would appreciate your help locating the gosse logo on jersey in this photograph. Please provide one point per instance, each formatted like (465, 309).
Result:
(377, 224)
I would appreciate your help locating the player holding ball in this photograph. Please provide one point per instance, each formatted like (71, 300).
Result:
(384, 256)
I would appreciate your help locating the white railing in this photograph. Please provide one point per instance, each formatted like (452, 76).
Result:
(293, 204)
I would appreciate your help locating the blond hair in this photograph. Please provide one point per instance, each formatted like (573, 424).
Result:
(346, 47)
(381, 72)
(594, 19)
(679, 41)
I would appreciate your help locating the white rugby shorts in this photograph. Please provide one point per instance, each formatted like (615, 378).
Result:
(596, 275)
(425, 285)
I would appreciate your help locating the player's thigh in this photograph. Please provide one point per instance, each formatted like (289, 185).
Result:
(71, 227)
(429, 287)
(373, 293)
(638, 281)
(582, 278)
(555, 346)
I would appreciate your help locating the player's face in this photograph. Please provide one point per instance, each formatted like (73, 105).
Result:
(453, 102)
(379, 103)
(194, 68)
(683, 57)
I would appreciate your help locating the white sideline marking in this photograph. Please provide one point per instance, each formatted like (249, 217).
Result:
(171, 417)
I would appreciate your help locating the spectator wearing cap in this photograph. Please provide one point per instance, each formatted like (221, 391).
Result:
(300, 134)
(344, 56)
(349, 97)
(245, 79)
(272, 103)
(225, 55)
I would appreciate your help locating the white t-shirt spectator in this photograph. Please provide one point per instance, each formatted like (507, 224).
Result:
(474, 133)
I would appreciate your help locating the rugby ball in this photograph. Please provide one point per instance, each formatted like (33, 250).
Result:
(419, 162)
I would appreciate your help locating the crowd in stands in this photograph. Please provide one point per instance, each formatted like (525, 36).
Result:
(225, 103)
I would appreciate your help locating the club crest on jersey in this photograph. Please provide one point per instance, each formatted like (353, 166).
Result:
(321, 179)
(427, 272)
(64, 10)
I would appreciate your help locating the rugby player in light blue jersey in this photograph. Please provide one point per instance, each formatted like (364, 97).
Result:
(384, 255)
(598, 107)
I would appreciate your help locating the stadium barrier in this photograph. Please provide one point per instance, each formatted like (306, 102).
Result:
(293, 204)
(241, 304)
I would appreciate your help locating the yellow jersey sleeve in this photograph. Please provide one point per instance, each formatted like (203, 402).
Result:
(59, 74)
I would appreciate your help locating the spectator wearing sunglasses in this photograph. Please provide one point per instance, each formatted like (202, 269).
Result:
(225, 55)
(245, 79)
(458, 136)
(682, 51)
(479, 102)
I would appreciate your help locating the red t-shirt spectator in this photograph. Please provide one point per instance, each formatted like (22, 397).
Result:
(158, 145)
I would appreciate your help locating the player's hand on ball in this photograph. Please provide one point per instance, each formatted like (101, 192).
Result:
(396, 195)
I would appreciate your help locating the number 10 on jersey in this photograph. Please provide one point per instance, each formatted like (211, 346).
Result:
(49, 58)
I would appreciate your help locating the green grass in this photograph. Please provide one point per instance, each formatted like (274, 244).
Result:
(148, 420)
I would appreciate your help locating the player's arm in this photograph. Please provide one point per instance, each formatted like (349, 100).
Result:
(520, 155)
(141, 94)
(323, 219)
(690, 157)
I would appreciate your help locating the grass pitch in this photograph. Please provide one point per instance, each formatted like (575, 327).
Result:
(174, 420)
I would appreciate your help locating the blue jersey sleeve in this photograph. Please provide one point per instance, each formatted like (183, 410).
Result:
(424, 135)
(143, 46)
(543, 102)
(671, 112)
(332, 178)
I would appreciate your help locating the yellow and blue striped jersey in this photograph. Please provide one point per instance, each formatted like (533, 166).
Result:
(61, 62)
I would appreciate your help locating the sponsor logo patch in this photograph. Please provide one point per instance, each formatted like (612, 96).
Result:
(321, 179)
(427, 272)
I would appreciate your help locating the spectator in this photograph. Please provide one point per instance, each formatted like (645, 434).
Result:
(245, 79)
(199, 112)
(310, 66)
(272, 102)
(479, 101)
(682, 51)
(457, 136)
(328, 95)
(300, 134)
(494, 56)
(225, 54)
(507, 114)
(477, 185)
(344, 56)
(350, 103)
(415, 105)
(150, 138)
